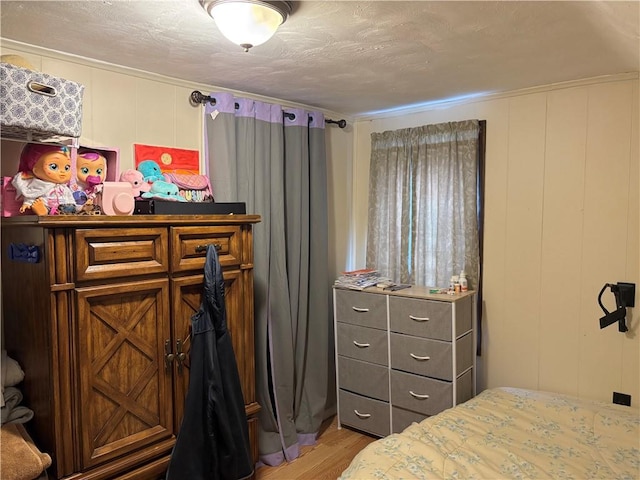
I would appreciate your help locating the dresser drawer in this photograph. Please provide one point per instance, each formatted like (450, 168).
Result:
(362, 343)
(403, 418)
(364, 378)
(103, 253)
(359, 308)
(188, 246)
(421, 318)
(420, 394)
(421, 356)
(465, 389)
(364, 413)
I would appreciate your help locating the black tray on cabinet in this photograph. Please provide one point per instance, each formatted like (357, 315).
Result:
(167, 207)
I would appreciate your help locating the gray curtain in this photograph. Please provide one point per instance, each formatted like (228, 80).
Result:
(423, 203)
(277, 165)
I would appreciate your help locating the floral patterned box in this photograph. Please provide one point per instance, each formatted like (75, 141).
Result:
(35, 106)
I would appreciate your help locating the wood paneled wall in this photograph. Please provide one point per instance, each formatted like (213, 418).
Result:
(561, 220)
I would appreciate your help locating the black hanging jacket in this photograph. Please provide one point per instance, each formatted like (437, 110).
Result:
(213, 442)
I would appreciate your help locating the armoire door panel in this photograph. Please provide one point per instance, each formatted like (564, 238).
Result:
(234, 301)
(186, 293)
(125, 400)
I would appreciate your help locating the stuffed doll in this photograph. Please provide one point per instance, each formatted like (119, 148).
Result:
(164, 191)
(42, 181)
(91, 171)
(150, 170)
(136, 179)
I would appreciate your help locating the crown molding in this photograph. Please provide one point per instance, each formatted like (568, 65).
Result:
(444, 104)
(177, 82)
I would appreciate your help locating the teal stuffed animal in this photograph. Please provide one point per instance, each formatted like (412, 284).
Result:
(150, 171)
(164, 191)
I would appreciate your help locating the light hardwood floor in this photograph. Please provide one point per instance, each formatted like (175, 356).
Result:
(325, 460)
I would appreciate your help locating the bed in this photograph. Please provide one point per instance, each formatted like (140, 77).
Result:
(509, 433)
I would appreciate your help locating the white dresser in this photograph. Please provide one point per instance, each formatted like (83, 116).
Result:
(401, 356)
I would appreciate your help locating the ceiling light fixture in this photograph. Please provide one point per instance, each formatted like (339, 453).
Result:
(247, 23)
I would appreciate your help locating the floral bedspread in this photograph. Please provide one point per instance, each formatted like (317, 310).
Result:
(508, 433)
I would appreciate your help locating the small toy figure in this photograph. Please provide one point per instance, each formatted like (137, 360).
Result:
(91, 171)
(136, 179)
(151, 171)
(43, 179)
(165, 191)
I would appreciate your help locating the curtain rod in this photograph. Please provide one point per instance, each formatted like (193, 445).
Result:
(199, 98)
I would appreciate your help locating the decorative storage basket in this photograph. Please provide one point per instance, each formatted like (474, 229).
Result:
(35, 106)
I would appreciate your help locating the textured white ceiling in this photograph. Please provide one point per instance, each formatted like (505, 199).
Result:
(352, 58)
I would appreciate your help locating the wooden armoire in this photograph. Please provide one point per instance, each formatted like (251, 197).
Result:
(97, 310)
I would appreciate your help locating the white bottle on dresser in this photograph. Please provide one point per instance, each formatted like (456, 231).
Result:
(464, 284)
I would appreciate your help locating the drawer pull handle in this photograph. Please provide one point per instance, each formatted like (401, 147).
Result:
(203, 248)
(418, 357)
(360, 310)
(419, 319)
(362, 415)
(418, 396)
(361, 345)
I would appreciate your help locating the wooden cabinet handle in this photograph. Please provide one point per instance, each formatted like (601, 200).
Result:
(361, 345)
(168, 356)
(180, 355)
(362, 415)
(203, 248)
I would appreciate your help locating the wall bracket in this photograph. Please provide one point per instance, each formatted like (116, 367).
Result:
(625, 297)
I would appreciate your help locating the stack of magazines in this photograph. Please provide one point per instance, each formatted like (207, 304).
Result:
(359, 279)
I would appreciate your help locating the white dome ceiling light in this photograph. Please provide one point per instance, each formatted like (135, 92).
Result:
(247, 23)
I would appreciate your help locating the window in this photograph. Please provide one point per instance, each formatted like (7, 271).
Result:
(425, 203)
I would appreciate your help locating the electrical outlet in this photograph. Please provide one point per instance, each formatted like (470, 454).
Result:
(622, 399)
(627, 294)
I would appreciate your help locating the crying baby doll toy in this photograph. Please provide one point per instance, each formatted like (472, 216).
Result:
(91, 171)
(42, 181)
